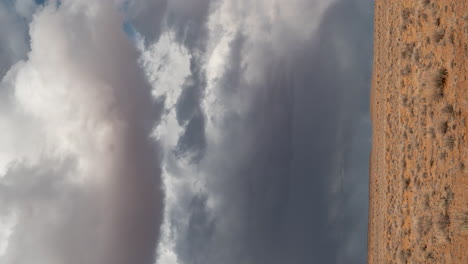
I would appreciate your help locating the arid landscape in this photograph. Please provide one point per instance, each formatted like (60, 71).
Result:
(418, 208)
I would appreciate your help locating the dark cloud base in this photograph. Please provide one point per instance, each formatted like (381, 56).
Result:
(309, 127)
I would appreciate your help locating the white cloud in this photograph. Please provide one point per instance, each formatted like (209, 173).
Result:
(81, 174)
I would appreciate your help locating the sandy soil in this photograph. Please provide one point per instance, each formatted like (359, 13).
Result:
(418, 209)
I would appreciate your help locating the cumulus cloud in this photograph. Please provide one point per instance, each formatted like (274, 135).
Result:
(86, 186)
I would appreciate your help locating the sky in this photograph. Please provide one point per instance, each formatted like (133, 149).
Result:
(184, 132)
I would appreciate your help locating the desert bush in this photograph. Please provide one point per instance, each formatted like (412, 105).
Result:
(406, 13)
(438, 35)
(443, 155)
(426, 201)
(462, 166)
(443, 127)
(440, 80)
(424, 225)
(406, 183)
(448, 109)
(430, 256)
(452, 38)
(448, 198)
(431, 132)
(406, 70)
(453, 64)
(408, 51)
(444, 222)
(424, 16)
(425, 3)
(450, 142)
(441, 77)
(405, 255)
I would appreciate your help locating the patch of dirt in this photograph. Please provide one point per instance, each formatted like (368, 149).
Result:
(418, 208)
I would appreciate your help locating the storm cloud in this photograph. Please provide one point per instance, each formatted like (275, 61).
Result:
(283, 178)
(185, 132)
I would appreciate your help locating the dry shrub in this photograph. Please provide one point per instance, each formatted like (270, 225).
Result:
(425, 3)
(408, 51)
(405, 255)
(444, 222)
(434, 83)
(424, 225)
(406, 13)
(440, 80)
(448, 109)
(438, 35)
(450, 142)
(443, 155)
(462, 167)
(443, 127)
(448, 198)
(406, 70)
(452, 38)
(406, 183)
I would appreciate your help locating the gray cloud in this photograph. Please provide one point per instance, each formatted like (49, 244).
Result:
(281, 177)
(14, 40)
(188, 20)
(147, 16)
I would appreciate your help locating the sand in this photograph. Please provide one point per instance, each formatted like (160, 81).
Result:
(418, 208)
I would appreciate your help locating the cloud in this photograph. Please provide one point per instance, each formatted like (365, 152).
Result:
(13, 44)
(146, 16)
(86, 187)
(251, 116)
(285, 109)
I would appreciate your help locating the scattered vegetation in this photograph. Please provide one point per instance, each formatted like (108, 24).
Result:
(423, 166)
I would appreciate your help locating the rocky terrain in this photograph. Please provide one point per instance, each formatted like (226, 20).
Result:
(418, 209)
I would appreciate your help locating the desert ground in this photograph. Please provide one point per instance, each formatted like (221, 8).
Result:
(418, 207)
